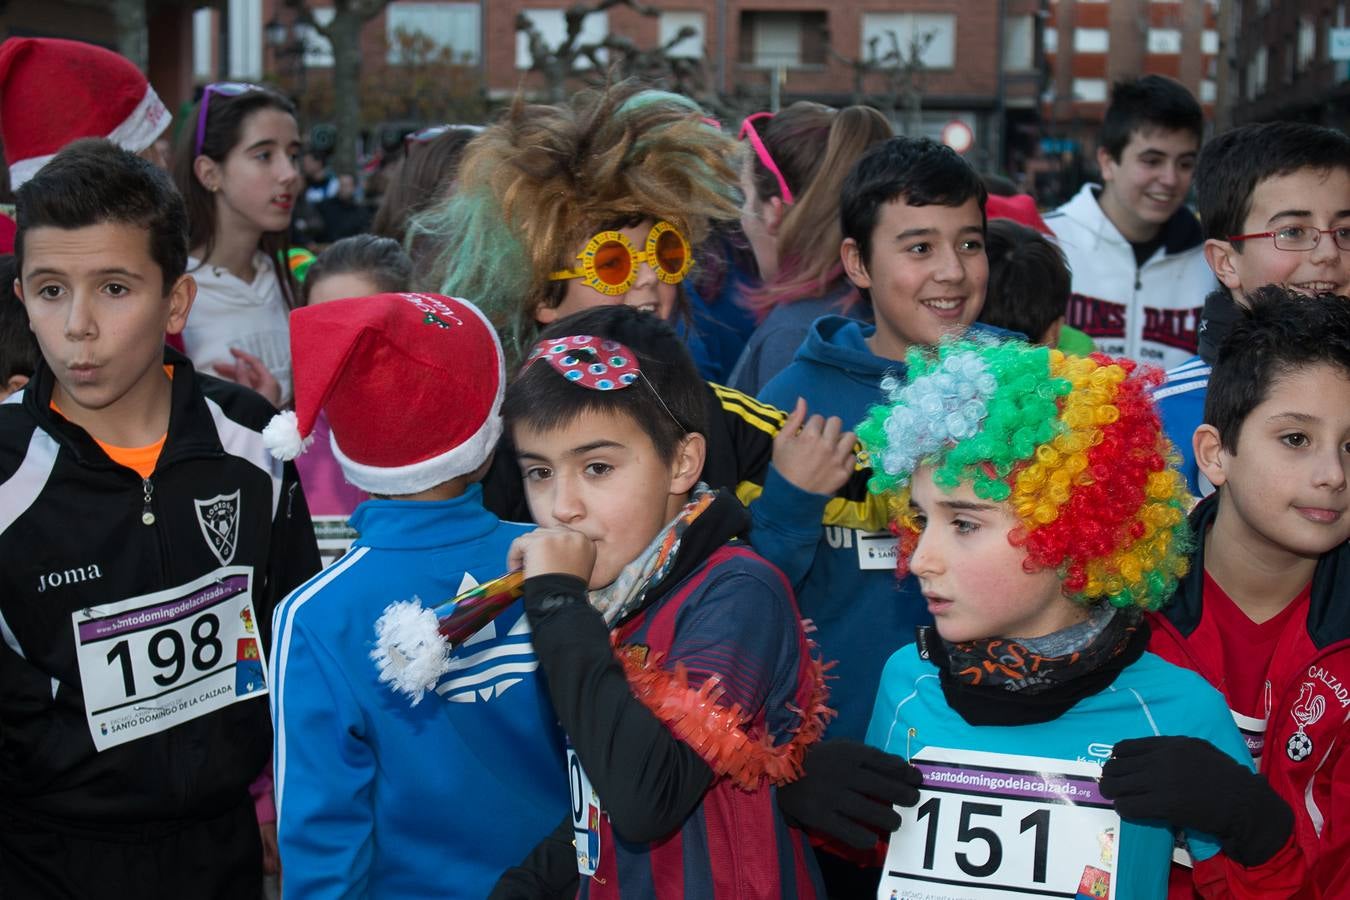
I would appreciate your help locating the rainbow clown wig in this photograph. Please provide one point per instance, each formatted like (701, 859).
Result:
(535, 186)
(1073, 444)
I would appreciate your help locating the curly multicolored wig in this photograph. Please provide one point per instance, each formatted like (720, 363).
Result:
(1073, 444)
(535, 186)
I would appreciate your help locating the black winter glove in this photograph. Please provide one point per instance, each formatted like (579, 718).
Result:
(847, 791)
(1189, 783)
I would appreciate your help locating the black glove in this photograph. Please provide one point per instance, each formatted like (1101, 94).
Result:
(847, 792)
(1189, 783)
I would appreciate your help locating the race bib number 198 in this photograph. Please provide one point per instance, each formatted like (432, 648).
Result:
(152, 662)
(995, 827)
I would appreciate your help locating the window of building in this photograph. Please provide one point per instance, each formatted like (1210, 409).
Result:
(1307, 43)
(1089, 90)
(1209, 91)
(773, 39)
(932, 35)
(203, 44)
(1255, 80)
(245, 44)
(451, 27)
(552, 26)
(1050, 40)
(1209, 42)
(1019, 44)
(1091, 40)
(318, 51)
(1164, 40)
(672, 22)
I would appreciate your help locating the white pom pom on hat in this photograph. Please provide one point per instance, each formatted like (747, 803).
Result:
(282, 436)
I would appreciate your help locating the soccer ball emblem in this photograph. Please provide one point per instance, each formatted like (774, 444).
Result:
(1300, 746)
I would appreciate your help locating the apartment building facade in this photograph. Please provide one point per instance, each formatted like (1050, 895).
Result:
(1090, 44)
(1289, 59)
(971, 68)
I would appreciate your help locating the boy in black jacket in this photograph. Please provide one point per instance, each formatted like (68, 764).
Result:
(145, 535)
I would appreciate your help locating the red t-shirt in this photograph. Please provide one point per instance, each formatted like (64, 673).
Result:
(1248, 649)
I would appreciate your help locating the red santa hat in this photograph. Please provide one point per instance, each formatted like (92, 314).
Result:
(1020, 208)
(53, 92)
(411, 384)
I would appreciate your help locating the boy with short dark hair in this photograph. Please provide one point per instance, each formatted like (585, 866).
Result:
(913, 221)
(1274, 201)
(1133, 247)
(1264, 614)
(145, 536)
(674, 655)
(1028, 283)
(376, 798)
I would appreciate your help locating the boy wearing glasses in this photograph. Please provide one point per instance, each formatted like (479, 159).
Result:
(1274, 203)
(1264, 613)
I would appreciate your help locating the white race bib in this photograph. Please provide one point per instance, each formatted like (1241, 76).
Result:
(334, 536)
(158, 660)
(586, 814)
(995, 827)
(877, 550)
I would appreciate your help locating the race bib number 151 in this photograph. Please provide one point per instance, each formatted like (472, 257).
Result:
(995, 827)
(152, 662)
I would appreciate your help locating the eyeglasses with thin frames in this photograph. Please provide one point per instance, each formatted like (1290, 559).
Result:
(1299, 237)
(748, 131)
(431, 132)
(224, 89)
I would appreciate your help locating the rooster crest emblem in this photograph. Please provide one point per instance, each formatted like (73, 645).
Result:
(1306, 711)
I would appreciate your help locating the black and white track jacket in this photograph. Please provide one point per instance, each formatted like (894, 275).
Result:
(79, 532)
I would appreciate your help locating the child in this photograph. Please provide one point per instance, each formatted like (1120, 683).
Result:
(1041, 517)
(1263, 614)
(1274, 202)
(674, 655)
(913, 224)
(545, 189)
(54, 91)
(791, 178)
(1028, 288)
(144, 539)
(1132, 245)
(18, 350)
(359, 266)
(374, 797)
(236, 167)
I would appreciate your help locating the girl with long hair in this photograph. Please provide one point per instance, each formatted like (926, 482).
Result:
(235, 165)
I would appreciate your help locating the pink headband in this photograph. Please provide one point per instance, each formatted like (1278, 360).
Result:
(595, 363)
(748, 130)
(592, 362)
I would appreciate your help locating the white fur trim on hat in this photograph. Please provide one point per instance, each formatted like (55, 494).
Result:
(134, 133)
(410, 479)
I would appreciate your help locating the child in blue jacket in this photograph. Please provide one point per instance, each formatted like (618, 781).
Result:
(1041, 512)
(377, 798)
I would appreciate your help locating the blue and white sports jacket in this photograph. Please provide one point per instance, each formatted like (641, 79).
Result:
(380, 798)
